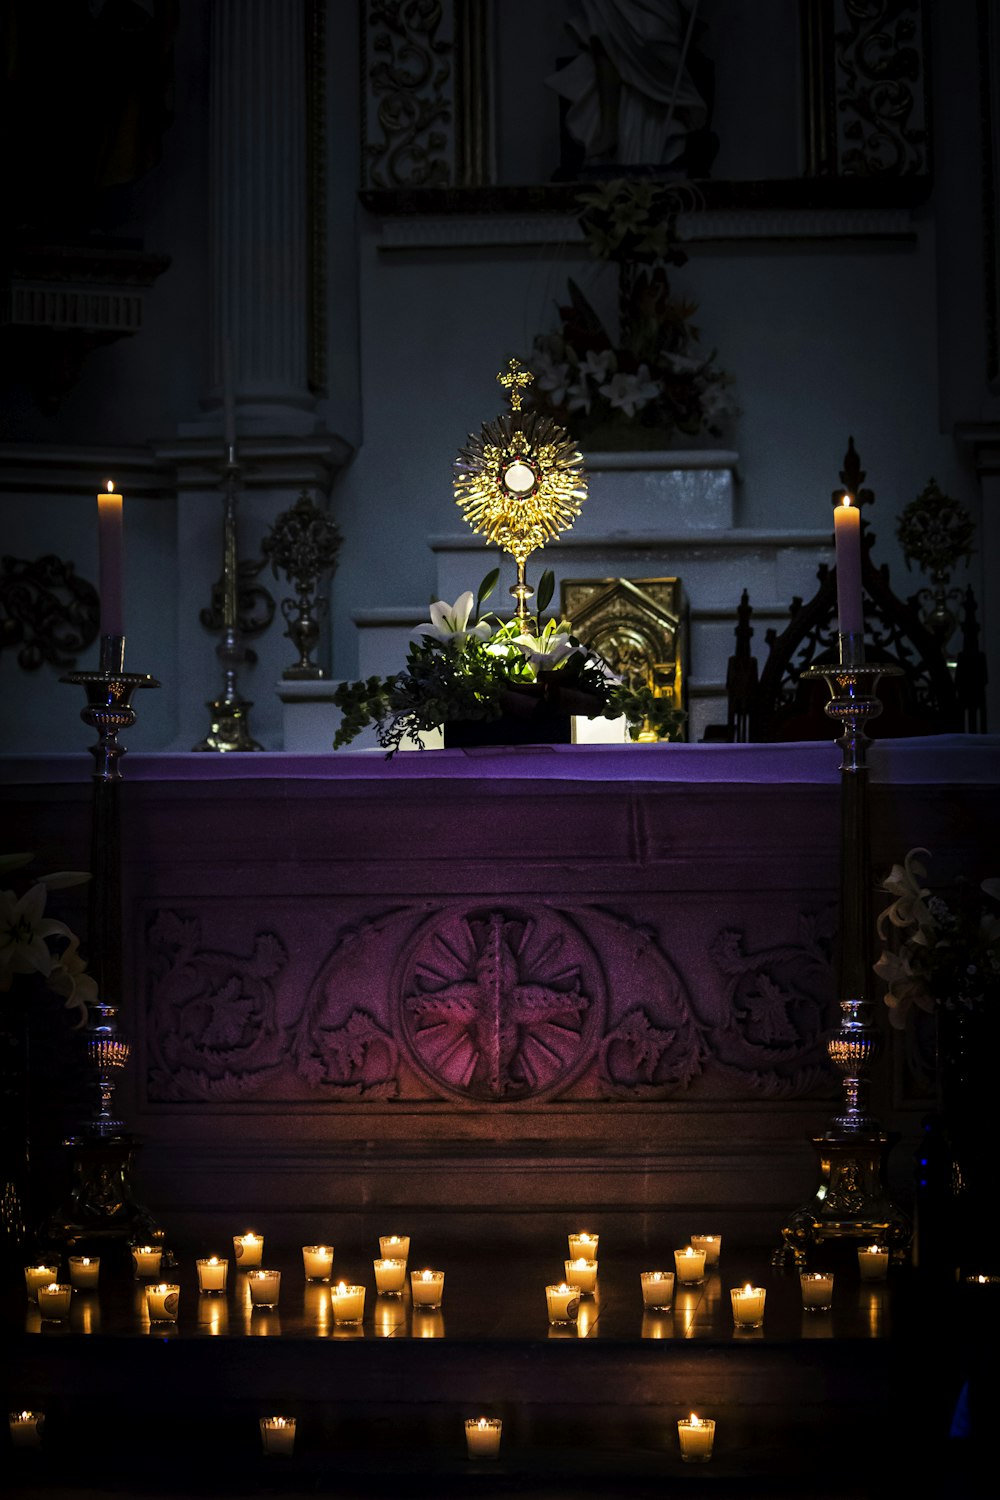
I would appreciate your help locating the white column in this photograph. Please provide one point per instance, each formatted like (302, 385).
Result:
(258, 184)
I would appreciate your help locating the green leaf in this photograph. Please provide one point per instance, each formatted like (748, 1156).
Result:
(546, 588)
(486, 588)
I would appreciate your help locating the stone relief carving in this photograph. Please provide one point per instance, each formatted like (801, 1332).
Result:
(778, 1004)
(501, 1005)
(881, 85)
(213, 1031)
(482, 1004)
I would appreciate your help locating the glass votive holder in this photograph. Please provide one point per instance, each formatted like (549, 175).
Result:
(582, 1274)
(712, 1246)
(317, 1262)
(213, 1273)
(162, 1301)
(146, 1261)
(394, 1246)
(657, 1289)
(277, 1436)
(84, 1272)
(689, 1265)
(348, 1302)
(427, 1288)
(25, 1428)
(36, 1276)
(54, 1300)
(748, 1305)
(873, 1263)
(248, 1250)
(562, 1303)
(265, 1287)
(817, 1290)
(583, 1246)
(390, 1276)
(697, 1438)
(482, 1436)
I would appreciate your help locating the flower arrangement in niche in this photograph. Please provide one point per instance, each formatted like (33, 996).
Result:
(464, 666)
(937, 952)
(647, 382)
(32, 943)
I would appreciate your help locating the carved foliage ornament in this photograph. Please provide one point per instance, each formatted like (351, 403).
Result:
(880, 87)
(410, 84)
(46, 612)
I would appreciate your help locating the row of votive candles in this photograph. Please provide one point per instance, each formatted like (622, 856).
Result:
(580, 1280)
(696, 1435)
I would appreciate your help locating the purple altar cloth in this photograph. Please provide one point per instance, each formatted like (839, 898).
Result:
(937, 759)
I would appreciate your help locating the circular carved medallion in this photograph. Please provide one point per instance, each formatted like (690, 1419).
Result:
(501, 1005)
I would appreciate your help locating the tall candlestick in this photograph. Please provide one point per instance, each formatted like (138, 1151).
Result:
(228, 397)
(847, 541)
(109, 539)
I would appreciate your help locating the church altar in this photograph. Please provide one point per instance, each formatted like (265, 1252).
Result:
(518, 983)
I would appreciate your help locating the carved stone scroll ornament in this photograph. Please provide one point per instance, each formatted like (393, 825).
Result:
(213, 1030)
(779, 1003)
(46, 613)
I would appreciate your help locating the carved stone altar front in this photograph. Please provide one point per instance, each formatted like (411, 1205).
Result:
(587, 981)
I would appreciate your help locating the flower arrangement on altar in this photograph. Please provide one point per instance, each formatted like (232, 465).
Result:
(650, 380)
(938, 952)
(463, 666)
(32, 943)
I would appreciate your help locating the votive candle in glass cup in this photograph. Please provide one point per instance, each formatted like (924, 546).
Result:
(317, 1262)
(36, 1276)
(873, 1263)
(697, 1438)
(249, 1250)
(689, 1265)
(265, 1287)
(427, 1288)
(213, 1274)
(54, 1300)
(394, 1246)
(277, 1436)
(583, 1245)
(562, 1302)
(348, 1302)
(712, 1246)
(146, 1260)
(582, 1274)
(817, 1290)
(748, 1305)
(25, 1428)
(162, 1301)
(657, 1289)
(482, 1436)
(84, 1271)
(390, 1276)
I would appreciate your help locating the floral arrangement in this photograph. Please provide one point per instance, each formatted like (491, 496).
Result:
(462, 665)
(938, 952)
(651, 377)
(32, 943)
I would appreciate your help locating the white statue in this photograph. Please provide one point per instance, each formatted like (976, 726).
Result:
(631, 97)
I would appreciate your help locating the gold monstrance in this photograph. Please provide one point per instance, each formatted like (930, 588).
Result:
(521, 481)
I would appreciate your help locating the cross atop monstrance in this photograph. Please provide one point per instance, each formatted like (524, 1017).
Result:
(521, 481)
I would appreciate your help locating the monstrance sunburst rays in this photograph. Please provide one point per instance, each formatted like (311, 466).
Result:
(520, 482)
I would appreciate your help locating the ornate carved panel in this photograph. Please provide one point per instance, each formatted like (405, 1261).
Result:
(638, 625)
(426, 91)
(46, 612)
(487, 1003)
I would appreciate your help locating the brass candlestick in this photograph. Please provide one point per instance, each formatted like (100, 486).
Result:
(851, 1201)
(101, 1205)
(230, 710)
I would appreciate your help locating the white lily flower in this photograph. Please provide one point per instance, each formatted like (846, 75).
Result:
(450, 622)
(629, 393)
(24, 931)
(546, 651)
